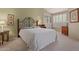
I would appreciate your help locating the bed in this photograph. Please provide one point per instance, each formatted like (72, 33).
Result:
(36, 38)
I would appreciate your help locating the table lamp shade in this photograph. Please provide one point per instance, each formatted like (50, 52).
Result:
(2, 23)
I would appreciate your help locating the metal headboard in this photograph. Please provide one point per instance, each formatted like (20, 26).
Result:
(26, 22)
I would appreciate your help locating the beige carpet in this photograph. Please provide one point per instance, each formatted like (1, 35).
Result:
(15, 45)
(62, 43)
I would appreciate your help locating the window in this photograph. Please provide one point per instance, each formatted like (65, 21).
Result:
(47, 21)
(64, 17)
(60, 19)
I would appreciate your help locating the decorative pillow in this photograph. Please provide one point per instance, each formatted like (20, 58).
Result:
(27, 27)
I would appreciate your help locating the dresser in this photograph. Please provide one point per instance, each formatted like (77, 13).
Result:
(64, 30)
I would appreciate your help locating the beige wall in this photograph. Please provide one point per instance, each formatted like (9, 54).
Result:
(74, 30)
(29, 12)
(19, 13)
(3, 16)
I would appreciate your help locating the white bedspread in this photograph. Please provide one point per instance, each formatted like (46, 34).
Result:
(38, 38)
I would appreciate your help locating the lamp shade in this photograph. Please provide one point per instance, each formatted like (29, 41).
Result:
(38, 19)
(2, 22)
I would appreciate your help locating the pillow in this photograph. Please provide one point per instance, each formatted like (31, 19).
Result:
(27, 27)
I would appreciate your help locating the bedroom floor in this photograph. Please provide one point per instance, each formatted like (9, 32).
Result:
(14, 45)
(63, 43)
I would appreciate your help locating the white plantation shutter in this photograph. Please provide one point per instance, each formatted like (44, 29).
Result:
(60, 20)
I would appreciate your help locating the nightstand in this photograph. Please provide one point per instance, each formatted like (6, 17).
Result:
(3, 33)
(65, 30)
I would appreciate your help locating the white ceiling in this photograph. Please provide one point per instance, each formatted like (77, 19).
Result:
(56, 10)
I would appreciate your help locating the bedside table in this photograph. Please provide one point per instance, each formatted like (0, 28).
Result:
(3, 33)
(65, 30)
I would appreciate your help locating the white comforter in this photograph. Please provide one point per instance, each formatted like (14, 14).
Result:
(38, 38)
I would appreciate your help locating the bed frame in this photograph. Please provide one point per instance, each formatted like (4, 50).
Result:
(26, 22)
(18, 28)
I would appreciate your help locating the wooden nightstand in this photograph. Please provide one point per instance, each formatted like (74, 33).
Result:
(65, 30)
(3, 33)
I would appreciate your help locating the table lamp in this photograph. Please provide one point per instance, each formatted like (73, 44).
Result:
(2, 23)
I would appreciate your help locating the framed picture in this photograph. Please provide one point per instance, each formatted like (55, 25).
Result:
(10, 18)
(74, 16)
